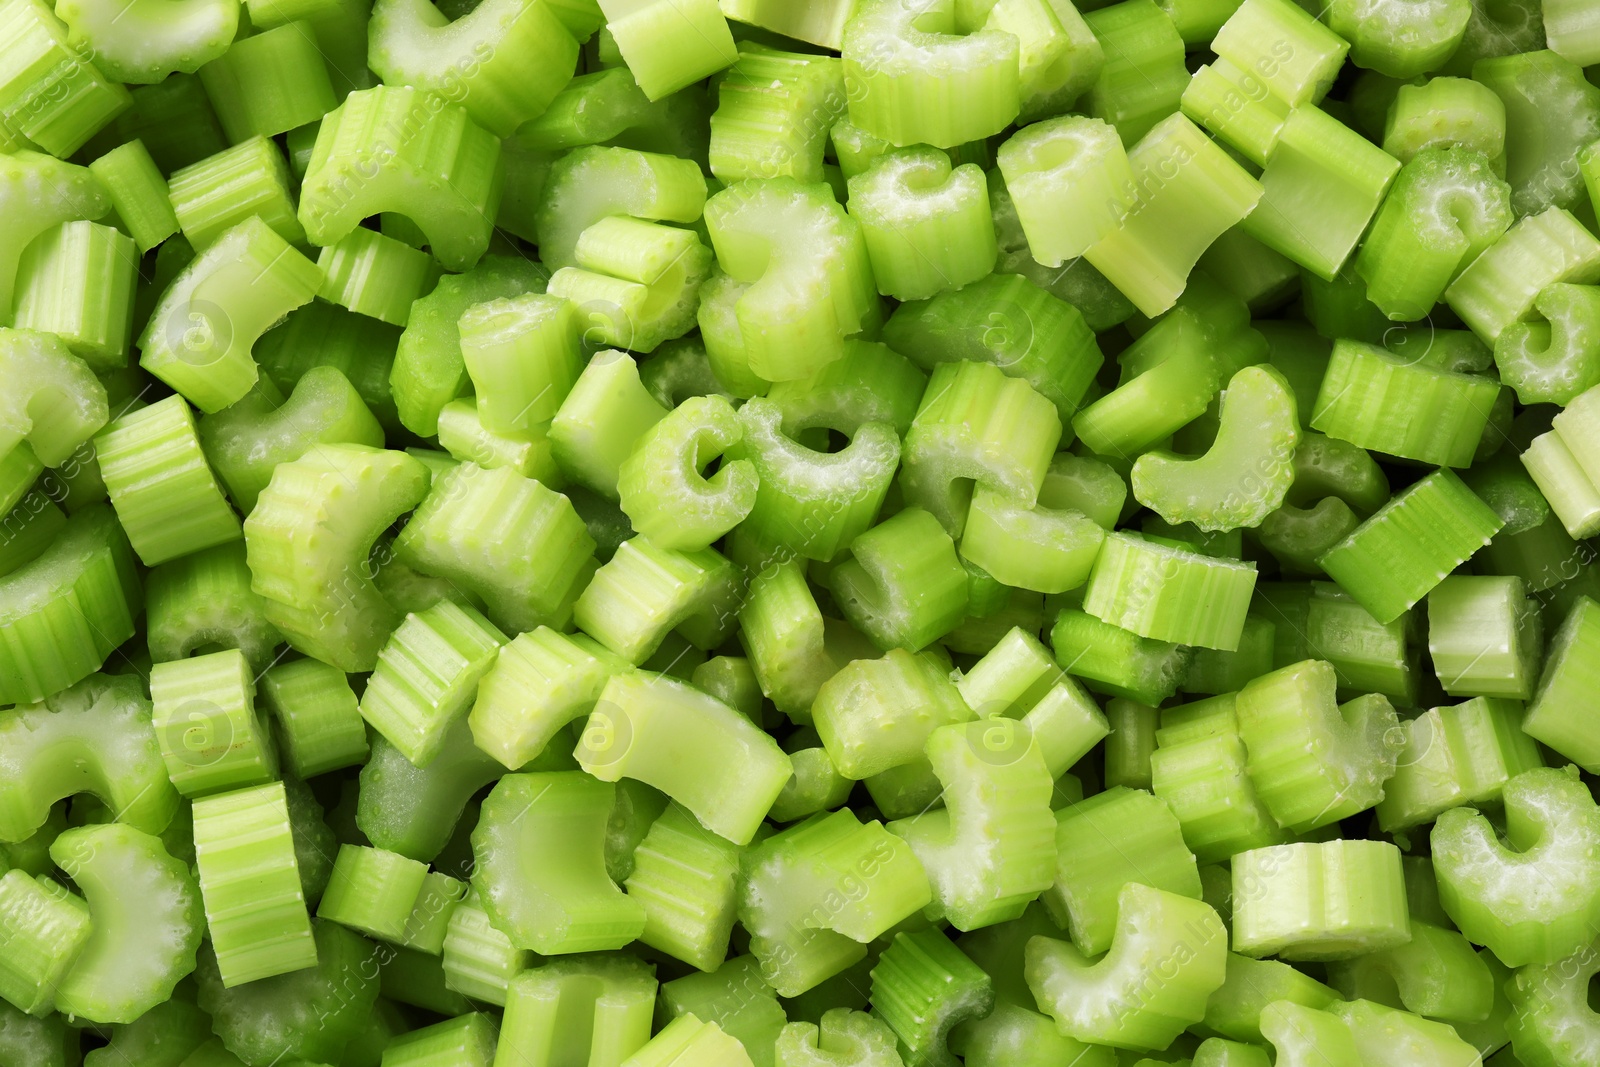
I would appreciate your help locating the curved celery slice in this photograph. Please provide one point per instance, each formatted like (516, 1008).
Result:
(391, 149)
(1502, 284)
(1169, 377)
(1237, 1009)
(867, 721)
(991, 850)
(147, 922)
(1455, 756)
(1554, 717)
(1205, 783)
(644, 592)
(593, 1010)
(912, 76)
(923, 987)
(1169, 594)
(902, 585)
(1400, 40)
(1143, 75)
(591, 183)
(1442, 113)
(1167, 957)
(1244, 475)
(1297, 536)
(1437, 973)
(52, 96)
(522, 354)
(1015, 1036)
(1294, 56)
(687, 1039)
(601, 420)
(927, 226)
(841, 1038)
(733, 996)
(503, 61)
(680, 369)
(637, 283)
(1551, 113)
(663, 492)
(815, 786)
(1484, 636)
(144, 41)
(1536, 900)
(540, 682)
(790, 882)
(465, 439)
(1381, 1032)
(1554, 361)
(413, 811)
(1304, 1036)
(375, 275)
(1315, 761)
(1038, 548)
(278, 83)
(1071, 183)
(806, 269)
(318, 721)
(774, 113)
(77, 282)
(1551, 1021)
(1319, 901)
(786, 637)
(45, 928)
(54, 402)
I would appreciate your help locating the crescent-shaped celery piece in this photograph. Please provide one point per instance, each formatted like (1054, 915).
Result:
(927, 225)
(143, 41)
(662, 490)
(840, 1038)
(1554, 361)
(38, 192)
(53, 401)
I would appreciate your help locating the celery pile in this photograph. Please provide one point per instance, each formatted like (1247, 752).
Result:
(799, 533)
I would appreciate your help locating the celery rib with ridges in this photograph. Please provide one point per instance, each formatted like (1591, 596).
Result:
(927, 226)
(76, 281)
(614, 996)
(670, 502)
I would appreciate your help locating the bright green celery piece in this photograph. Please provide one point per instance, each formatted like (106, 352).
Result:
(1235, 1010)
(1219, 1052)
(391, 149)
(1381, 1032)
(1320, 188)
(478, 960)
(1484, 636)
(643, 592)
(1367, 656)
(1402, 40)
(429, 922)
(840, 1038)
(1556, 716)
(375, 275)
(319, 591)
(206, 723)
(1256, 274)
(927, 226)
(1169, 594)
(1085, 484)
(1017, 678)
(1445, 112)
(820, 24)
(250, 883)
(429, 371)
(659, 731)
(790, 897)
(46, 929)
(1041, 548)
(413, 811)
(524, 549)
(1552, 361)
(687, 1039)
(523, 356)
(788, 640)
(1437, 973)
(50, 94)
(1117, 661)
(216, 194)
(164, 1036)
(27, 530)
(1301, 1036)
(1319, 900)
(419, 979)
(1408, 546)
(464, 1041)
(1071, 183)
(540, 865)
(923, 987)
(803, 267)
(595, 1010)
(1015, 1036)
(539, 683)
(316, 715)
(816, 785)
(1502, 284)
(1341, 772)
(670, 45)
(1130, 743)
(1007, 320)
(813, 503)
(1244, 475)
(914, 74)
(502, 62)
(902, 584)
(1167, 956)
(1169, 377)
(1297, 536)
(1560, 462)
(1551, 113)
(1239, 106)
(637, 283)
(19, 470)
(76, 281)
(1551, 1022)
(663, 492)
(1189, 192)
(54, 403)
(1445, 207)
(1076, 283)
(1204, 781)
(144, 42)
(774, 112)
(1114, 838)
(687, 880)
(1294, 56)
(1143, 75)
(146, 922)
(465, 439)
(591, 183)
(277, 83)
(600, 421)
(199, 336)
(989, 851)
(733, 997)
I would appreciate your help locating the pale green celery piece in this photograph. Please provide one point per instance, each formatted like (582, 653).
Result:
(902, 585)
(786, 637)
(211, 736)
(1484, 636)
(736, 998)
(1400, 40)
(1552, 362)
(687, 1039)
(523, 356)
(1556, 717)
(1167, 593)
(1381, 1033)
(466, 440)
(774, 113)
(1189, 192)
(1143, 75)
(1341, 771)
(1445, 112)
(1297, 536)
(927, 226)
(914, 76)
(637, 283)
(53, 402)
(1502, 284)
(595, 1009)
(219, 192)
(1551, 1021)
(199, 336)
(1238, 107)
(1205, 782)
(1169, 377)
(873, 383)
(1561, 462)
(643, 592)
(1087, 485)
(1055, 86)
(46, 928)
(669, 45)
(279, 83)
(1294, 56)
(52, 96)
(478, 960)
(1016, 1036)
(592, 108)
(1071, 183)
(923, 987)
(1319, 900)
(805, 269)
(790, 900)
(662, 489)
(723, 338)
(815, 786)
(867, 724)
(1303, 1036)
(601, 420)
(991, 849)
(1367, 656)
(375, 275)
(1320, 187)
(1116, 661)
(76, 281)
(399, 149)
(467, 1039)
(1167, 957)
(841, 1038)
(591, 183)
(1552, 112)
(1437, 974)
(1039, 548)
(1236, 1009)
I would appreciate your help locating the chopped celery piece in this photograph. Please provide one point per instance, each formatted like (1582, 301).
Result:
(669, 44)
(924, 986)
(687, 879)
(1445, 112)
(76, 281)
(866, 721)
(902, 585)
(1484, 636)
(1500, 286)
(219, 192)
(1071, 183)
(1294, 56)
(841, 1038)
(1117, 661)
(1319, 900)
(591, 183)
(1169, 594)
(1551, 362)
(1437, 973)
(205, 719)
(523, 356)
(1205, 782)
(1557, 715)
(1143, 75)
(51, 95)
(46, 928)
(276, 83)
(1400, 40)
(927, 227)
(644, 592)
(663, 491)
(1551, 1021)
(1552, 112)
(317, 717)
(1038, 548)
(374, 275)
(774, 112)
(591, 1010)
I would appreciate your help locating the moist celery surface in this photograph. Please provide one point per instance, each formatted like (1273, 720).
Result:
(799, 533)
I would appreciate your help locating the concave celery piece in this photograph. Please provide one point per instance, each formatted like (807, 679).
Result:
(413, 811)
(1169, 594)
(799, 931)
(1319, 900)
(1552, 112)
(914, 74)
(1484, 636)
(360, 348)
(1143, 75)
(1015, 1036)
(205, 719)
(539, 848)
(1437, 973)
(539, 683)
(1341, 771)
(477, 959)
(144, 42)
(1297, 536)
(841, 1038)
(923, 987)
(669, 45)
(687, 880)
(511, 540)
(503, 61)
(250, 884)
(1045, 549)
(1551, 1022)
(1445, 207)
(1189, 191)
(375, 275)
(465, 1041)
(45, 927)
(1409, 545)
(1501, 286)
(1367, 656)
(1235, 1010)
(661, 485)
(902, 584)
(1116, 661)
(1168, 378)
(319, 591)
(219, 192)
(868, 724)
(1205, 782)
(686, 1039)
(1320, 187)
(1443, 113)
(810, 502)
(1400, 40)
(591, 183)
(465, 439)
(76, 281)
(199, 336)
(146, 922)
(1557, 716)
(592, 1010)
(774, 113)
(643, 592)
(927, 227)
(398, 149)
(735, 998)
(1553, 361)
(316, 714)
(1381, 1032)
(277, 83)
(600, 421)
(523, 354)
(1167, 956)
(637, 283)
(804, 269)
(1105, 842)
(1071, 183)
(1302, 1036)
(64, 613)
(164, 1036)
(428, 370)
(247, 441)
(667, 734)
(50, 94)
(54, 402)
